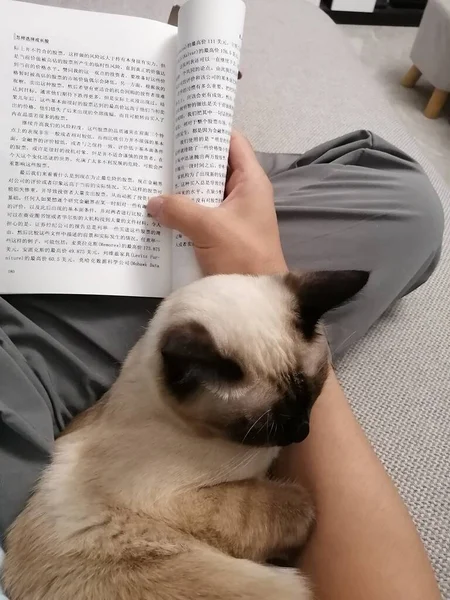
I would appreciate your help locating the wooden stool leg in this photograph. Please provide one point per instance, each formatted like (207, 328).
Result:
(436, 103)
(411, 77)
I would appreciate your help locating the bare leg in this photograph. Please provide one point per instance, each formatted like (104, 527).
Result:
(365, 544)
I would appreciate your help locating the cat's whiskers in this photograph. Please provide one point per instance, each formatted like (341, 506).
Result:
(255, 423)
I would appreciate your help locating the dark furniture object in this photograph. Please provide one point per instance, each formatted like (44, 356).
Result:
(387, 12)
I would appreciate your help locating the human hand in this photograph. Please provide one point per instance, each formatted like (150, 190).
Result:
(241, 234)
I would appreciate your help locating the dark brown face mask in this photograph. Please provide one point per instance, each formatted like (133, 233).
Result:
(286, 422)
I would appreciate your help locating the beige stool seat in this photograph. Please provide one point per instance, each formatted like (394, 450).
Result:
(430, 55)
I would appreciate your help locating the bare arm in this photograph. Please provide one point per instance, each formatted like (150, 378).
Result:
(365, 544)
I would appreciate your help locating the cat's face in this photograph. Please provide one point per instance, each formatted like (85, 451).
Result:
(245, 357)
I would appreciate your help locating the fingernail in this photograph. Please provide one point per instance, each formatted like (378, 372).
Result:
(154, 206)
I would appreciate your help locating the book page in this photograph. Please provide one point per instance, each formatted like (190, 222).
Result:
(209, 43)
(86, 137)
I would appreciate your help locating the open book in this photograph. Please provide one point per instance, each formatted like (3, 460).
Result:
(98, 113)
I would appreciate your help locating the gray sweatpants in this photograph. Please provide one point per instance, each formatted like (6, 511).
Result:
(356, 202)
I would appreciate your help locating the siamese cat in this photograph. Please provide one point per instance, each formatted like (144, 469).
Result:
(160, 491)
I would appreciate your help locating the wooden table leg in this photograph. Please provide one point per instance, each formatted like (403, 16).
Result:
(411, 77)
(436, 103)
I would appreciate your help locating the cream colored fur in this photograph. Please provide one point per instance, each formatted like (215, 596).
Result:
(140, 504)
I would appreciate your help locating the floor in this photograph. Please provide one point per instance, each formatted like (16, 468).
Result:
(385, 52)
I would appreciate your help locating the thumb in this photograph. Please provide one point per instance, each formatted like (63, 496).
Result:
(179, 212)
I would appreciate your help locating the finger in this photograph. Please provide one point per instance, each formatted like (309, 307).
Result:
(242, 156)
(179, 212)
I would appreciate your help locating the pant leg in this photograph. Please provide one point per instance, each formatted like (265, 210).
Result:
(58, 355)
(356, 202)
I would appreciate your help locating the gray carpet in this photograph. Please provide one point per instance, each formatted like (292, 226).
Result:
(302, 84)
(385, 54)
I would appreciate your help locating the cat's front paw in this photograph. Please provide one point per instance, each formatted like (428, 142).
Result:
(286, 559)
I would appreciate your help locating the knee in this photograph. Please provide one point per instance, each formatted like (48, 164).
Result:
(419, 202)
(423, 225)
(429, 214)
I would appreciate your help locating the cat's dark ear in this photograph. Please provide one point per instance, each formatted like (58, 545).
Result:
(190, 358)
(317, 292)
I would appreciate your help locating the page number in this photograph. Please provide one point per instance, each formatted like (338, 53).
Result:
(11, 271)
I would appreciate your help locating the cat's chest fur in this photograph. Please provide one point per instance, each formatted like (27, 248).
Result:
(142, 469)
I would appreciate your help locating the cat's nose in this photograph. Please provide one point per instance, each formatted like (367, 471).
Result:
(291, 427)
(293, 434)
(302, 432)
